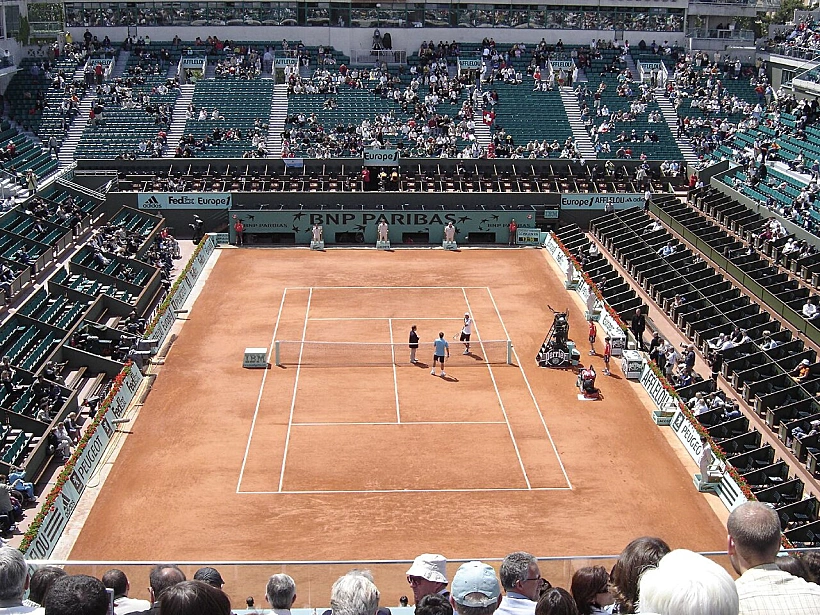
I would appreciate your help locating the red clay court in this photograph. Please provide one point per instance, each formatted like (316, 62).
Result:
(349, 452)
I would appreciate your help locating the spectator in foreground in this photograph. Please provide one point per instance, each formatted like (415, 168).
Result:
(556, 601)
(210, 576)
(590, 589)
(41, 581)
(162, 577)
(433, 604)
(754, 540)
(428, 575)
(116, 580)
(639, 555)
(522, 582)
(794, 566)
(686, 583)
(281, 593)
(811, 559)
(194, 598)
(476, 590)
(14, 581)
(353, 594)
(77, 594)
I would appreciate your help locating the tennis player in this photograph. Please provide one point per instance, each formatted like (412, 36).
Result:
(442, 348)
(414, 344)
(593, 333)
(466, 331)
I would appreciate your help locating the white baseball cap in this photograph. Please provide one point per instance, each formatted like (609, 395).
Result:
(430, 566)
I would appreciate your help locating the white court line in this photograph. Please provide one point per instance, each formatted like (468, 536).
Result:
(261, 389)
(293, 397)
(391, 318)
(498, 394)
(404, 423)
(356, 491)
(395, 379)
(529, 388)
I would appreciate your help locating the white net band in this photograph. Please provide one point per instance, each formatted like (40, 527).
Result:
(318, 354)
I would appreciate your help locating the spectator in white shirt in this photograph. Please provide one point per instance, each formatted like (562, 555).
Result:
(810, 309)
(522, 581)
(116, 580)
(754, 541)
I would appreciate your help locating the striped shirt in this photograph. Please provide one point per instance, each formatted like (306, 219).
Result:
(765, 590)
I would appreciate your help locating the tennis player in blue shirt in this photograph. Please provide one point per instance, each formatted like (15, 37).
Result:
(442, 349)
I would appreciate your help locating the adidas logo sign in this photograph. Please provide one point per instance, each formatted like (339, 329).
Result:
(152, 203)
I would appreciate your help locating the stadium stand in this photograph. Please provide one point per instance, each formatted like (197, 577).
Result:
(711, 307)
(81, 318)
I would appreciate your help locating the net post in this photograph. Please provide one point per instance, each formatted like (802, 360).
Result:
(509, 352)
(276, 360)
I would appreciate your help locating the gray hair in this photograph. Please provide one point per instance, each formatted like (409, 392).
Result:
(686, 583)
(515, 568)
(463, 609)
(354, 594)
(280, 591)
(13, 573)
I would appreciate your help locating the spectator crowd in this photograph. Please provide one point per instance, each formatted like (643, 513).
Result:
(648, 577)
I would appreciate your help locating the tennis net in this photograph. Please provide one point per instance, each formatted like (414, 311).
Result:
(326, 354)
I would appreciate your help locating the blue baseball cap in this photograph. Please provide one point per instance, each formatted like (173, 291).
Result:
(475, 578)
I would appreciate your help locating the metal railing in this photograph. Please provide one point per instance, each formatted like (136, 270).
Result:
(249, 578)
(371, 56)
(730, 35)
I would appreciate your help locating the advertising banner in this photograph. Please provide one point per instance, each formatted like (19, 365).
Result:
(599, 201)
(157, 201)
(380, 157)
(359, 226)
(193, 62)
(86, 464)
(528, 236)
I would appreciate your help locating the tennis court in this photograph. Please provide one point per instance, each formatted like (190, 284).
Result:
(348, 335)
(347, 455)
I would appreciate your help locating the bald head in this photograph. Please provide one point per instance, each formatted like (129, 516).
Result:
(754, 530)
(162, 577)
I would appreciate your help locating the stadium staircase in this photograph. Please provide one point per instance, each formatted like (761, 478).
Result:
(633, 68)
(579, 132)
(78, 124)
(671, 118)
(177, 128)
(482, 130)
(10, 185)
(276, 121)
(119, 67)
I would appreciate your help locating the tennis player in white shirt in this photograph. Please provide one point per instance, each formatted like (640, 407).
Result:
(466, 331)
